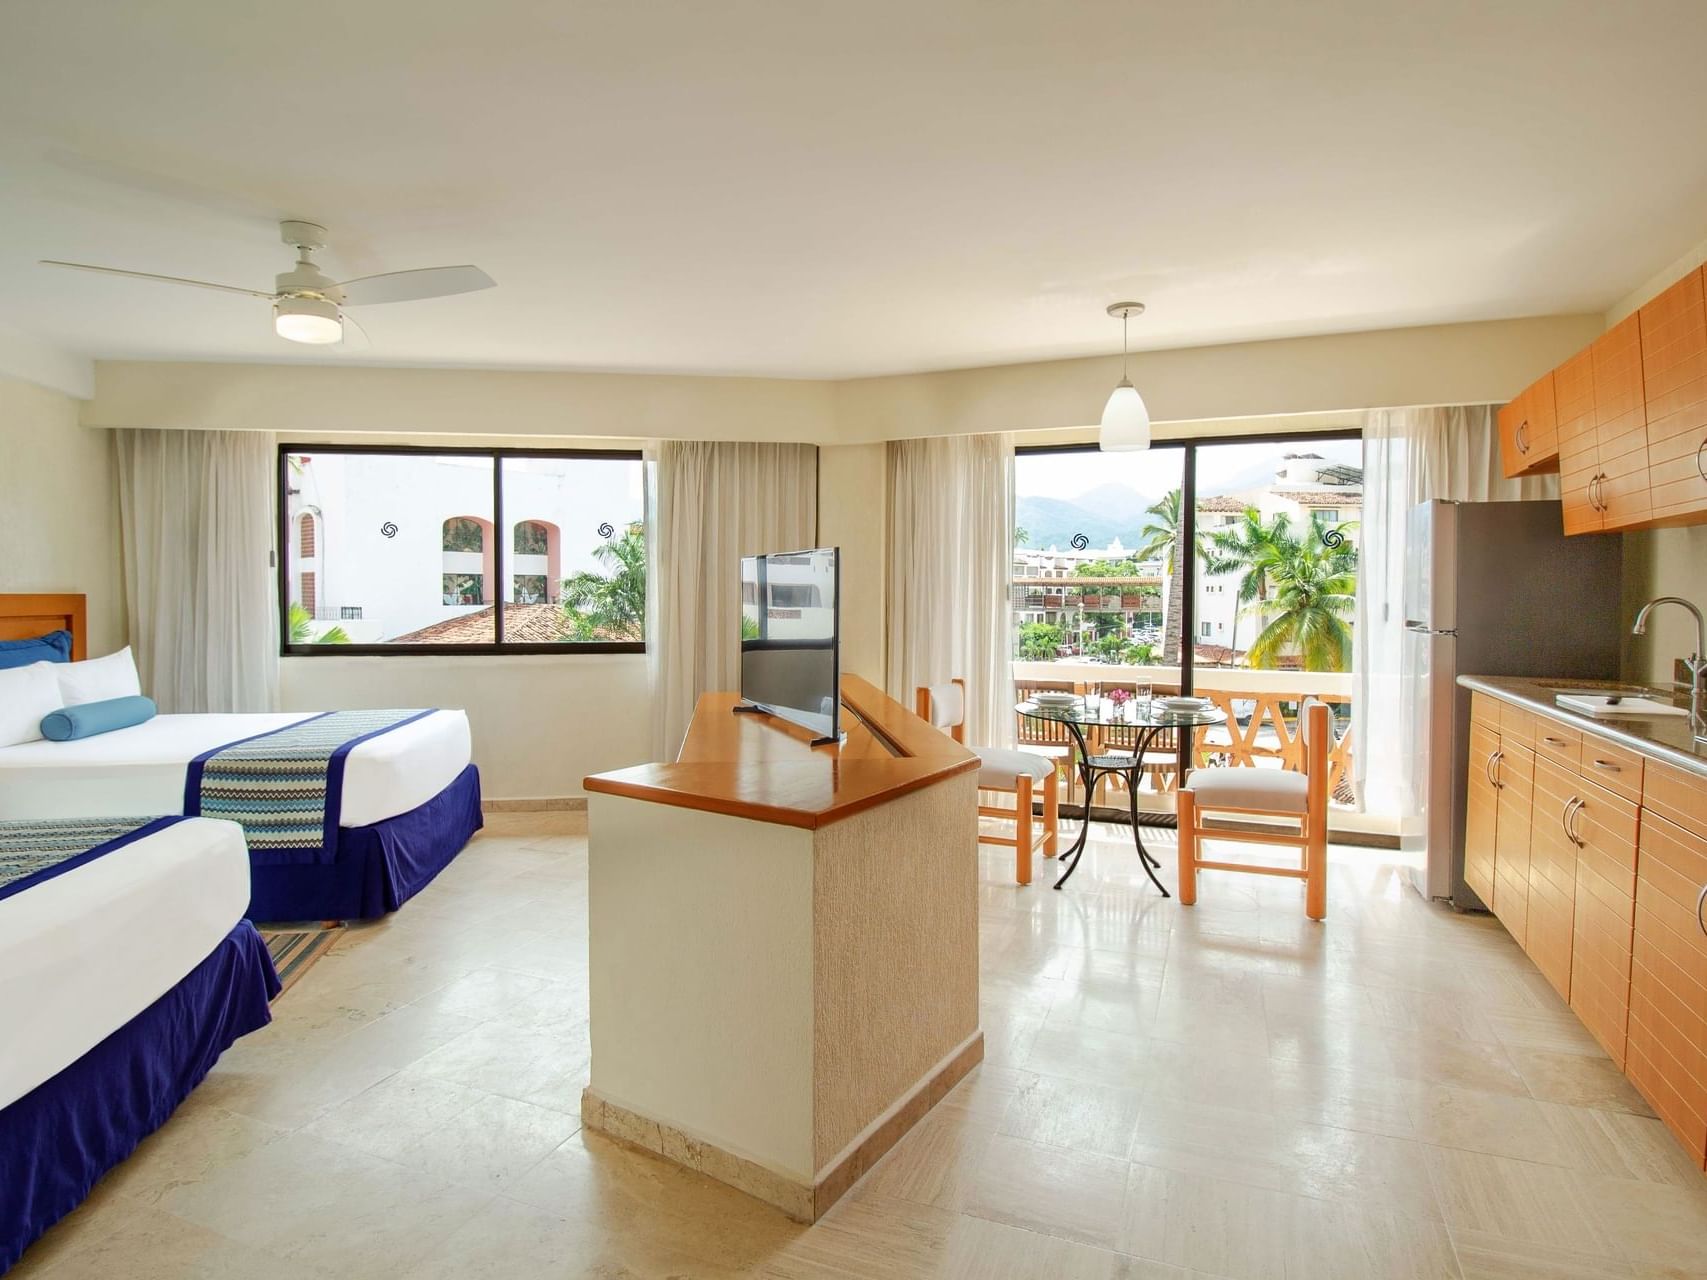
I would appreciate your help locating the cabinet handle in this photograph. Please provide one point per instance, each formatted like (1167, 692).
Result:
(1701, 458)
(1599, 504)
(1554, 742)
(1520, 438)
(1570, 812)
(1701, 898)
(1572, 832)
(1488, 768)
(1609, 766)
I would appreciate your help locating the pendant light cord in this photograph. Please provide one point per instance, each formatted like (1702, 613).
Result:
(1124, 317)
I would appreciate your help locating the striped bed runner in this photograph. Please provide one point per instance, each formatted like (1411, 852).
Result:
(33, 850)
(286, 787)
(293, 950)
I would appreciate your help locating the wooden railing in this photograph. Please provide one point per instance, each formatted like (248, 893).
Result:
(1262, 715)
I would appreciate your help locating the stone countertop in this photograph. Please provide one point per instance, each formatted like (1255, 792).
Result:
(1665, 738)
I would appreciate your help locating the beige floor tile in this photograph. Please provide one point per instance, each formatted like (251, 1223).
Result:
(1660, 1231)
(1483, 1256)
(489, 1144)
(1078, 1053)
(1537, 1203)
(1371, 1170)
(200, 1140)
(869, 1238)
(329, 1206)
(1493, 1123)
(529, 1066)
(1336, 1240)
(937, 1163)
(986, 1093)
(1078, 1114)
(1206, 1224)
(979, 1249)
(1619, 1145)
(1071, 1194)
(400, 1110)
(1578, 1079)
(140, 1242)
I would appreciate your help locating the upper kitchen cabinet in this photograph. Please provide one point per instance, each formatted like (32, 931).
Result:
(1674, 381)
(1624, 423)
(1621, 425)
(1579, 454)
(1529, 431)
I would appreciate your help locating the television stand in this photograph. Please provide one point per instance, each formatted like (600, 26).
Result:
(758, 708)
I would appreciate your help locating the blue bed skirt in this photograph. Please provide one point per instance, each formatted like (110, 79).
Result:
(378, 868)
(58, 1139)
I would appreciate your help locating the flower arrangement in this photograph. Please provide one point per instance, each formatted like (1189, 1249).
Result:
(1119, 696)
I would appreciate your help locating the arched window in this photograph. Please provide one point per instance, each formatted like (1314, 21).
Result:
(465, 533)
(306, 540)
(308, 562)
(467, 557)
(535, 566)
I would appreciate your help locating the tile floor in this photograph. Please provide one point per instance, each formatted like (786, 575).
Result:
(1222, 1091)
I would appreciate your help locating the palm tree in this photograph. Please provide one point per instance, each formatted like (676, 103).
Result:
(1022, 536)
(302, 629)
(1254, 551)
(1315, 591)
(1160, 541)
(610, 605)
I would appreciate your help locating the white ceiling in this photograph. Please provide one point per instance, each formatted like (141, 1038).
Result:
(812, 189)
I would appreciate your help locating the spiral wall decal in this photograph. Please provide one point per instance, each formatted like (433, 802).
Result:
(388, 529)
(1333, 539)
(1080, 542)
(605, 530)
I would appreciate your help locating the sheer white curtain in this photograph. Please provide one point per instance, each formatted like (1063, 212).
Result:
(950, 559)
(196, 521)
(1409, 456)
(715, 501)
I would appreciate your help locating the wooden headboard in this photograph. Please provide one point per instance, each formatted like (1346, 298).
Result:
(23, 617)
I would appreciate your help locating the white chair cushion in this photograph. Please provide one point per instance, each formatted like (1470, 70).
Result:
(1276, 790)
(948, 704)
(999, 767)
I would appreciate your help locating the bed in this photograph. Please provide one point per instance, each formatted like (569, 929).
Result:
(126, 969)
(403, 800)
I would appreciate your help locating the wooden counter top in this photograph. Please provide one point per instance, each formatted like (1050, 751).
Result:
(754, 766)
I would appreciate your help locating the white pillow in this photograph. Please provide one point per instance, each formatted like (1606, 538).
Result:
(26, 695)
(98, 679)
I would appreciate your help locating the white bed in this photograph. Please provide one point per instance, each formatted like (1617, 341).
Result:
(141, 769)
(84, 952)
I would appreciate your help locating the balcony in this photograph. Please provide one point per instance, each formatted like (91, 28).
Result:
(1261, 729)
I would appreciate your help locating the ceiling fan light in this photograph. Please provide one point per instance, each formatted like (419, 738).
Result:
(1125, 421)
(307, 320)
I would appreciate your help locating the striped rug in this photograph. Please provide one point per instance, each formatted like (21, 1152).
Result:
(294, 950)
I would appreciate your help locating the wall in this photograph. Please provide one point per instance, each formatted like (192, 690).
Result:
(541, 722)
(853, 515)
(59, 507)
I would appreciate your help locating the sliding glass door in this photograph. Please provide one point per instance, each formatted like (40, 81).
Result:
(1225, 568)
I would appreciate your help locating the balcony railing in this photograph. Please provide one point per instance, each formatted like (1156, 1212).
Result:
(1261, 706)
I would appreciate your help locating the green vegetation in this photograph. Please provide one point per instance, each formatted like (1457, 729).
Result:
(610, 605)
(1127, 568)
(1254, 550)
(1162, 537)
(1039, 641)
(302, 629)
(1315, 593)
(464, 534)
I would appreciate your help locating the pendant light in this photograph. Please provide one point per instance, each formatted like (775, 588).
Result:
(1125, 420)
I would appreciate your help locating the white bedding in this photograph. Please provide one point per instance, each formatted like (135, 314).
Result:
(141, 769)
(84, 952)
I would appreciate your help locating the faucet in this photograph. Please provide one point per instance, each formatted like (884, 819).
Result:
(1696, 664)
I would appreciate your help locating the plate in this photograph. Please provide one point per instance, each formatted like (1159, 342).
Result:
(1183, 704)
(1055, 699)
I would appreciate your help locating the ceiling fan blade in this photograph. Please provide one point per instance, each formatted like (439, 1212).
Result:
(408, 286)
(146, 275)
(355, 336)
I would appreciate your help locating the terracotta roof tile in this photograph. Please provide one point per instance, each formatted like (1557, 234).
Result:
(523, 624)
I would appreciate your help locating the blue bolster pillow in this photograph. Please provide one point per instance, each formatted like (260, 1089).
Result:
(87, 719)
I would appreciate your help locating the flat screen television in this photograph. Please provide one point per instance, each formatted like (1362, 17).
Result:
(791, 638)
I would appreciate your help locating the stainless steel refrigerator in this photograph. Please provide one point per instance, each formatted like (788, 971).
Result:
(1491, 588)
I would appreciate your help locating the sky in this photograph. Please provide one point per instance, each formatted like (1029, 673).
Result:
(1220, 468)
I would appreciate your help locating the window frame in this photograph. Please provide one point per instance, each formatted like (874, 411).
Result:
(500, 563)
(1188, 501)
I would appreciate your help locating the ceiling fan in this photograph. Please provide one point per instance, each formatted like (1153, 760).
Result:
(307, 306)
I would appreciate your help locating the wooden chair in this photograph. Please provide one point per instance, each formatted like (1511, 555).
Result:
(1016, 773)
(1266, 793)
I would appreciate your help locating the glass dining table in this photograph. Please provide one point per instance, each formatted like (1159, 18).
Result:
(1149, 719)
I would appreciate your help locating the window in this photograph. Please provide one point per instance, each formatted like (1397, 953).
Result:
(462, 550)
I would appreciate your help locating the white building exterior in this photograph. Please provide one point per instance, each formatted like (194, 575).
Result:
(366, 545)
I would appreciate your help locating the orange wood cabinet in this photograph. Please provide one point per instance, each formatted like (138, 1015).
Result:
(1624, 422)
(1529, 431)
(1579, 455)
(1553, 872)
(1512, 838)
(1667, 1054)
(1603, 827)
(1674, 385)
(1481, 810)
